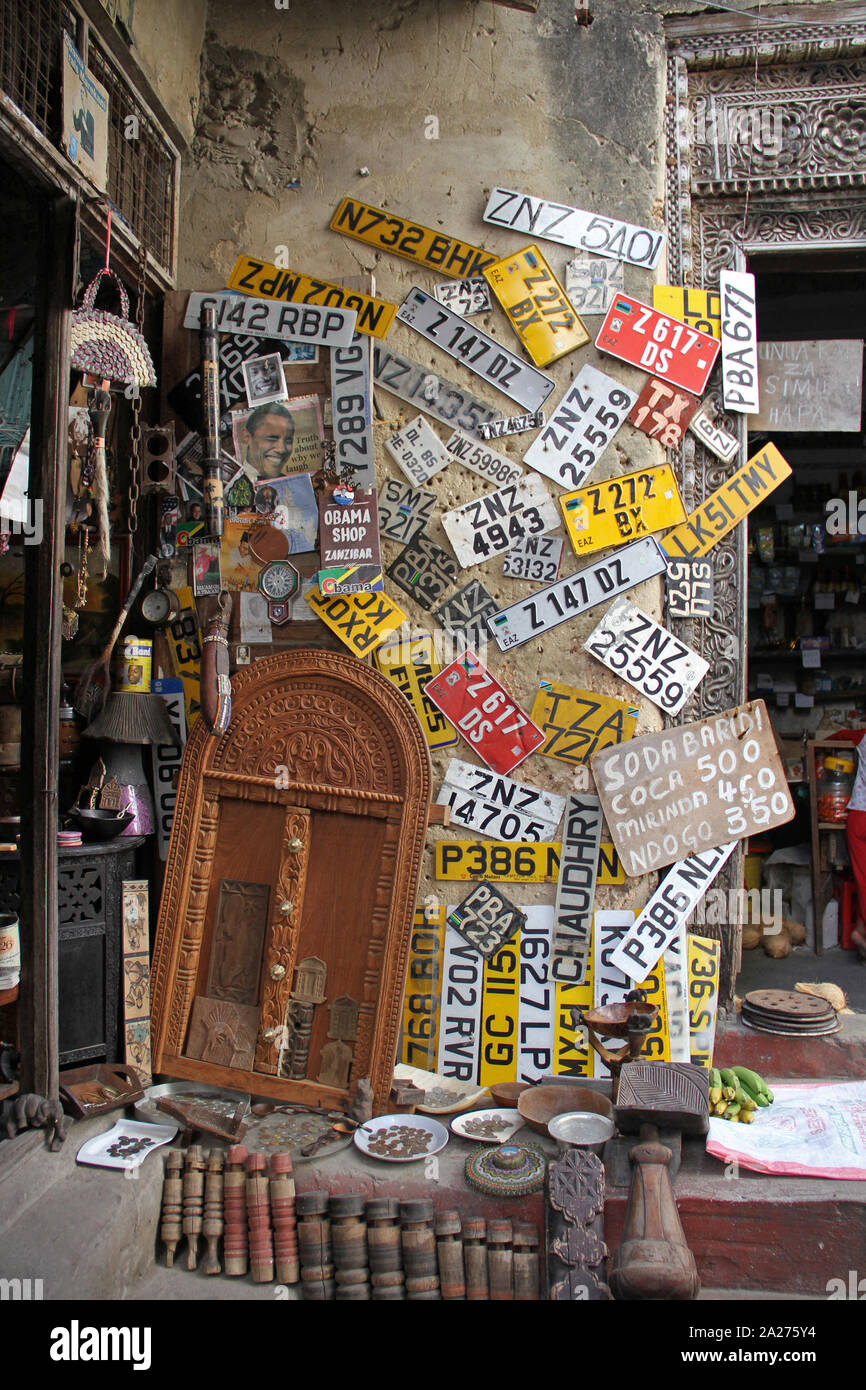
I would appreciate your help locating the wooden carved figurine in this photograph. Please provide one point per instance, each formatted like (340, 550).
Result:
(193, 1202)
(653, 1260)
(335, 1064)
(300, 1029)
(344, 1018)
(576, 1251)
(235, 1211)
(361, 1108)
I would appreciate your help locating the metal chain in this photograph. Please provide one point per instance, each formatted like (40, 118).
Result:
(135, 428)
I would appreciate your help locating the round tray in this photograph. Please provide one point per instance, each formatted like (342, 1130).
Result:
(487, 1126)
(394, 1132)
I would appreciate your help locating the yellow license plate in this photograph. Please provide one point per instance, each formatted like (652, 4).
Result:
(362, 621)
(185, 639)
(700, 309)
(703, 964)
(537, 306)
(728, 505)
(572, 1054)
(500, 1006)
(266, 281)
(622, 509)
(416, 243)
(423, 984)
(577, 723)
(657, 1047)
(506, 861)
(410, 664)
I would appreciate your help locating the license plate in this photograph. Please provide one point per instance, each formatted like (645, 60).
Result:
(577, 723)
(464, 297)
(349, 548)
(535, 1011)
(639, 650)
(583, 423)
(565, 599)
(423, 985)
(666, 347)
(266, 281)
(167, 758)
(424, 571)
(409, 664)
(185, 639)
(724, 508)
(486, 919)
(483, 460)
(575, 889)
(572, 1054)
(362, 621)
(604, 236)
(535, 558)
(482, 354)
(404, 510)
(700, 309)
(351, 410)
(677, 991)
(537, 306)
(484, 712)
(692, 787)
(622, 509)
(609, 985)
(265, 318)
(704, 964)
(515, 424)
(490, 525)
(663, 412)
(459, 860)
(498, 806)
(676, 897)
(381, 229)
(718, 440)
(689, 588)
(739, 342)
(460, 1008)
(464, 614)
(500, 1008)
(418, 451)
(591, 284)
(427, 391)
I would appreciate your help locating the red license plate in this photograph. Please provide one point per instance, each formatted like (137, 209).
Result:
(657, 343)
(501, 733)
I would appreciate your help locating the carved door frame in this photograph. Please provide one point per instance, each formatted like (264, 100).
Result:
(793, 94)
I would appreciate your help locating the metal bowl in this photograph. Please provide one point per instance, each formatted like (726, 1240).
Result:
(581, 1129)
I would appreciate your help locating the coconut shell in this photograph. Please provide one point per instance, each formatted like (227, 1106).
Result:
(796, 930)
(824, 990)
(751, 936)
(778, 945)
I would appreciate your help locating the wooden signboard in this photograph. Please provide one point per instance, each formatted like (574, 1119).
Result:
(351, 559)
(810, 386)
(575, 889)
(577, 723)
(691, 787)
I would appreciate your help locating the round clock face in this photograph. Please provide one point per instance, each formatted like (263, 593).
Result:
(156, 607)
(279, 580)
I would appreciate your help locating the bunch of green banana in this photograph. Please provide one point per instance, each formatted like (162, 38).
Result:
(736, 1093)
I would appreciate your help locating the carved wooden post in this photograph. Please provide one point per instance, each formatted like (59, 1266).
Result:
(172, 1204)
(193, 1195)
(235, 1212)
(653, 1260)
(212, 1224)
(385, 1251)
(283, 1215)
(475, 1258)
(575, 1229)
(449, 1249)
(349, 1247)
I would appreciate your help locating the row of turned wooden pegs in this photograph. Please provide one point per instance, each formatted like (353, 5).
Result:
(342, 1246)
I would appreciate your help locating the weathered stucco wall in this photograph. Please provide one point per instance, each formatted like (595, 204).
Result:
(296, 102)
(168, 42)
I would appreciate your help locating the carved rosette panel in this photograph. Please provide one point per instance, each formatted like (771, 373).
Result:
(280, 941)
(190, 945)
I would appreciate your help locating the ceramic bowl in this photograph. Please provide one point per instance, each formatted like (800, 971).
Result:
(102, 825)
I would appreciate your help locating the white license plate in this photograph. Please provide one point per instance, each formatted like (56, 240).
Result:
(483, 460)
(498, 806)
(582, 425)
(464, 297)
(604, 236)
(575, 889)
(475, 350)
(591, 285)
(404, 510)
(426, 390)
(639, 650)
(268, 318)
(568, 597)
(491, 524)
(351, 410)
(515, 424)
(418, 451)
(718, 440)
(739, 342)
(536, 558)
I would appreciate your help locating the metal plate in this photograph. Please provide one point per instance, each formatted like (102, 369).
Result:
(577, 723)
(689, 586)
(739, 342)
(663, 412)
(591, 284)
(361, 621)
(463, 614)
(421, 998)
(459, 1008)
(479, 352)
(788, 1004)
(504, 862)
(404, 510)
(465, 297)
(575, 890)
(351, 410)
(490, 525)
(622, 509)
(700, 309)
(636, 333)
(642, 652)
(409, 664)
(414, 242)
(266, 318)
(428, 391)
(484, 712)
(704, 957)
(536, 305)
(498, 806)
(481, 459)
(418, 451)
(486, 919)
(586, 231)
(536, 558)
(605, 579)
(717, 439)
(424, 571)
(515, 424)
(815, 1032)
(723, 509)
(487, 1126)
(582, 425)
(266, 281)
